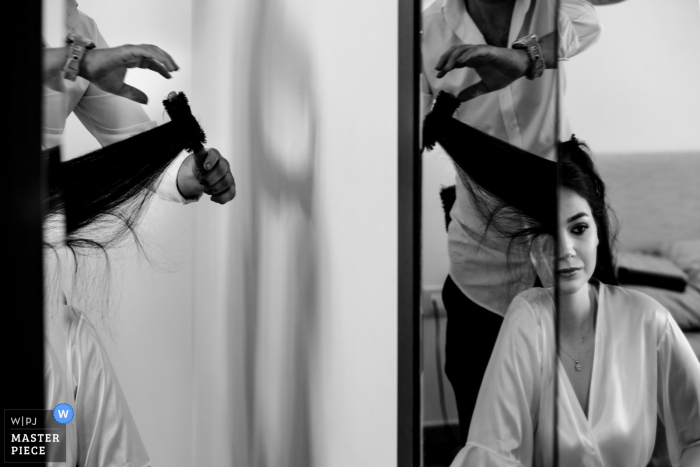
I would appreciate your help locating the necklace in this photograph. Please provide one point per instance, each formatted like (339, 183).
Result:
(577, 363)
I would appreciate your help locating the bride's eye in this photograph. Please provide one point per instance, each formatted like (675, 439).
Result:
(579, 229)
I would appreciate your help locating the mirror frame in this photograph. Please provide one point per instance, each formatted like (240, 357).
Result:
(409, 220)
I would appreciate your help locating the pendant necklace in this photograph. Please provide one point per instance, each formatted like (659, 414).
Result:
(577, 363)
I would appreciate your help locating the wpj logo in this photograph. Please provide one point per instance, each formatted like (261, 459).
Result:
(63, 413)
(36, 435)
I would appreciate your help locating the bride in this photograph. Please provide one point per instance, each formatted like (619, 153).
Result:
(621, 360)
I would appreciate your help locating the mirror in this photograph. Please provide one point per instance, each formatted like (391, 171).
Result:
(638, 130)
(640, 124)
(118, 319)
(234, 335)
(459, 331)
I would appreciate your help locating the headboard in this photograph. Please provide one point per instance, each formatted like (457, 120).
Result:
(656, 196)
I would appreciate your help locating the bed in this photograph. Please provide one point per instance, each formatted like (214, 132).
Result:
(656, 198)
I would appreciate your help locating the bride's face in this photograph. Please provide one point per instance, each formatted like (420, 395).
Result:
(578, 242)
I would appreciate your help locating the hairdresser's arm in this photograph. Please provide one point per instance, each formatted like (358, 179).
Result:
(213, 178)
(498, 67)
(106, 67)
(515, 62)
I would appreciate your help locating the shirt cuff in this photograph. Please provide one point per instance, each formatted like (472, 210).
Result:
(167, 188)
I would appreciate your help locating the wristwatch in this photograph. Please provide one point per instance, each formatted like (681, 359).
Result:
(77, 46)
(532, 46)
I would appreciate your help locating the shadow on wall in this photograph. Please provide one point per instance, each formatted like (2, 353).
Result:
(281, 258)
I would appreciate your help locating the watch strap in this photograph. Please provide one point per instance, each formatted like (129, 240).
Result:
(77, 46)
(531, 45)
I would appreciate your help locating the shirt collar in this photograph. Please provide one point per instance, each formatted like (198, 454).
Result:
(71, 13)
(457, 17)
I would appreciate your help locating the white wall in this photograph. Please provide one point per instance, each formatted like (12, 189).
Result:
(636, 89)
(307, 296)
(438, 171)
(148, 330)
(272, 339)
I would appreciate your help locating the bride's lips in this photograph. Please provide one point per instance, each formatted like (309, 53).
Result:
(567, 272)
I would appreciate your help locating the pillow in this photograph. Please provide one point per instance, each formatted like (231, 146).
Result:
(648, 262)
(649, 270)
(684, 307)
(685, 254)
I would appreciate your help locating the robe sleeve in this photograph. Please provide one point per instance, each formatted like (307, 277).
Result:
(679, 394)
(107, 433)
(504, 420)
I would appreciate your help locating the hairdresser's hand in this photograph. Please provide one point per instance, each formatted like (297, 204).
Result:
(214, 178)
(106, 68)
(498, 67)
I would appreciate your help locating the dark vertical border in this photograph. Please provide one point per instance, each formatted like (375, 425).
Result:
(21, 286)
(409, 204)
(557, 136)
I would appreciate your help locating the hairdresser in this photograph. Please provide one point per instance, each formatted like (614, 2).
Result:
(92, 86)
(498, 57)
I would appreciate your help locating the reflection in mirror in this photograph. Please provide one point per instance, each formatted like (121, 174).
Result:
(640, 123)
(608, 356)
(484, 53)
(53, 104)
(94, 362)
(272, 339)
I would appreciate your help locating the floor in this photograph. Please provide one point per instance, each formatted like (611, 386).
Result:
(440, 445)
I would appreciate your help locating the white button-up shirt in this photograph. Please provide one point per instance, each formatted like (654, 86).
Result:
(109, 118)
(522, 114)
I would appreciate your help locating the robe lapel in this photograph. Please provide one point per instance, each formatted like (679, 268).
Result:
(578, 444)
(568, 404)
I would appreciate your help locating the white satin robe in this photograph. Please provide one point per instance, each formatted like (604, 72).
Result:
(77, 372)
(643, 367)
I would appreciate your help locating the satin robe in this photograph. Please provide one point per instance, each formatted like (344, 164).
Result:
(643, 367)
(77, 372)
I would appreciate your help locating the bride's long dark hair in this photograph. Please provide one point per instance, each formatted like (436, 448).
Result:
(514, 191)
(104, 194)
(96, 201)
(577, 172)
